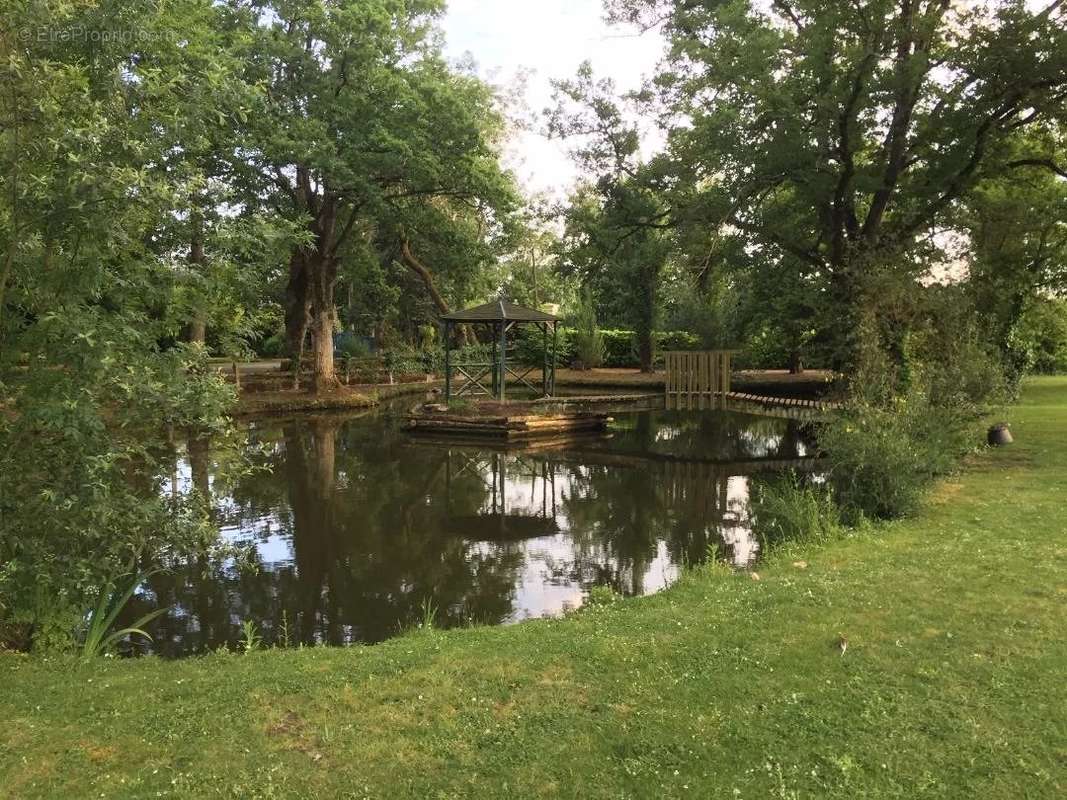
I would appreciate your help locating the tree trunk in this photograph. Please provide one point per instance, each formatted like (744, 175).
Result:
(439, 303)
(198, 324)
(197, 331)
(324, 377)
(199, 450)
(297, 308)
(646, 323)
(844, 325)
(646, 351)
(796, 363)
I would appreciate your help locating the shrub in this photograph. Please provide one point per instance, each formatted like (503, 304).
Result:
(620, 348)
(273, 346)
(883, 460)
(1042, 333)
(348, 345)
(589, 346)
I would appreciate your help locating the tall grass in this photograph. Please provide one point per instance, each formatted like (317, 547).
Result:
(793, 508)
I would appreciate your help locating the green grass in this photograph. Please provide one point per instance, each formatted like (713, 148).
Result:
(954, 683)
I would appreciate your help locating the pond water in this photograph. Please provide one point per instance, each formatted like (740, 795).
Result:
(354, 528)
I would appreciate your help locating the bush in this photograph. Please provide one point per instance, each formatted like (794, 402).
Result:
(589, 349)
(883, 460)
(620, 346)
(1042, 334)
(589, 346)
(273, 346)
(348, 345)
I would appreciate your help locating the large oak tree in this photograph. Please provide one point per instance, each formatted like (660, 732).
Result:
(360, 118)
(836, 137)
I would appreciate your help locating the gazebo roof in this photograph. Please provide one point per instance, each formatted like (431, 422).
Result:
(499, 311)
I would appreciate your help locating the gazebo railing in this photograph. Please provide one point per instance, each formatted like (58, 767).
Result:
(474, 372)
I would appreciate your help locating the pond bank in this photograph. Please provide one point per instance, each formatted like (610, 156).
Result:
(953, 683)
(343, 398)
(271, 399)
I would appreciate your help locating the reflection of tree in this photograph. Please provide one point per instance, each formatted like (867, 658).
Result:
(369, 524)
(365, 523)
(621, 509)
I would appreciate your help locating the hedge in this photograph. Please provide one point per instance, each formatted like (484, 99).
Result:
(620, 346)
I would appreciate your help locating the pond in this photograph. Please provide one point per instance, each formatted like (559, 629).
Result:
(355, 529)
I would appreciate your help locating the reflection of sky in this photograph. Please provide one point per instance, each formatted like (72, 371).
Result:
(735, 529)
(541, 591)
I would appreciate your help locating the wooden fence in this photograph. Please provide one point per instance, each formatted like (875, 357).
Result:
(697, 379)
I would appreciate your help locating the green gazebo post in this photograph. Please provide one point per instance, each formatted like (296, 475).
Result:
(500, 317)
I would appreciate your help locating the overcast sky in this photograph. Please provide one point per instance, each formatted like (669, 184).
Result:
(550, 38)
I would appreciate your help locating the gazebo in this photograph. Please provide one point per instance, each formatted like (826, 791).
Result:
(500, 317)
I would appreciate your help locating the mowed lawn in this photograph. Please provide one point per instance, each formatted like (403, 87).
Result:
(954, 683)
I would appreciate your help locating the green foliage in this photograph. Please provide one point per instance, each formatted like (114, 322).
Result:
(1042, 336)
(284, 639)
(349, 346)
(917, 396)
(620, 346)
(589, 347)
(792, 508)
(601, 597)
(882, 461)
(273, 346)
(371, 143)
(91, 297)
(99, 637)
(250, 637)
(815, 151)
(615, 225)
(428, 616)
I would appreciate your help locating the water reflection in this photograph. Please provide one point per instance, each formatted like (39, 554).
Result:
(356, 526)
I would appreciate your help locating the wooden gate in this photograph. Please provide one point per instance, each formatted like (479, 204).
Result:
(697, 379)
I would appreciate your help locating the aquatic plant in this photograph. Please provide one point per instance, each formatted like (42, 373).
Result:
(112, 598)
(789, 508)
(429, 614)
(283, 639)
(250, 638)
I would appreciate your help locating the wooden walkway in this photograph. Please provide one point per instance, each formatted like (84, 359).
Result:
(793, 403)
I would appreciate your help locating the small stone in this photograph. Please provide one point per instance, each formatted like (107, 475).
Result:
(800, 564)
(754, 576)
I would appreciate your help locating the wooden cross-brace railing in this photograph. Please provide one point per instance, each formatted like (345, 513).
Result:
(473, 380)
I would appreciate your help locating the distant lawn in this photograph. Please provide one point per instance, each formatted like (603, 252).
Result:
(954, 683)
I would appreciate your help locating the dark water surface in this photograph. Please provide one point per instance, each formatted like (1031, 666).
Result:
(357, 527)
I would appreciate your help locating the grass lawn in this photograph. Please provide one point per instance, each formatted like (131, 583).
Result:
(954, 683)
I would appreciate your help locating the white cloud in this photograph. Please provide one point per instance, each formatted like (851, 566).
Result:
(550, 38)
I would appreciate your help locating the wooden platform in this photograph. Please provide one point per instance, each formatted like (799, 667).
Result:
(517, 426)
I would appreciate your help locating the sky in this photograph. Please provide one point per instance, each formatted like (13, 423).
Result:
(548, 38)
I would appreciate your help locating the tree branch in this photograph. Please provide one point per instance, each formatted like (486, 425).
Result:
(1046, 163)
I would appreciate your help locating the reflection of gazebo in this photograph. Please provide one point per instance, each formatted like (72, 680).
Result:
(493, 522)
(500, 317)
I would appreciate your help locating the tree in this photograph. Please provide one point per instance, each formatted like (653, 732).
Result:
(359, 118)
(87, 391)
(529, 266)
(1016, 224)
(615, 227)
(836, 137)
